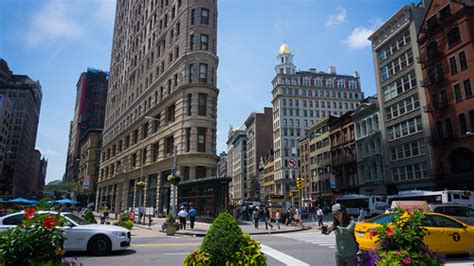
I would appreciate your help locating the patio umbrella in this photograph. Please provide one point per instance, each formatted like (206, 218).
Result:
(32, 201)
(67, 201)
(20, 200)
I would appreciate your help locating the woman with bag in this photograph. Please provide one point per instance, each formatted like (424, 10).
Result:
(343, 228)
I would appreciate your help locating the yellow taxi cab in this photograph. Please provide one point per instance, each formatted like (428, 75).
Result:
(445, 234)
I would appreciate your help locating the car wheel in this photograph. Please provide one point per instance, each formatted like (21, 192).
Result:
(99, 245)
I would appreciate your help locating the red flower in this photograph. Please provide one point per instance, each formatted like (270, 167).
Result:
(49, 222)
(390, 231)
(29, 213)
(372, 234)
(407, 260)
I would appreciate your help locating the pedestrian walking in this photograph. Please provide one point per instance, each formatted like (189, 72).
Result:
(149, 220)
(192, 216)
(343, 228)
(266, 216)
(182, 217)
(255, 217)
(320, 214)
(277, 218)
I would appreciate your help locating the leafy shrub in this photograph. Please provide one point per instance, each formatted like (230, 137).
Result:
(223, 239)
(248, 254)
(198, 258)
(36, 241)
(401, 242)
(89, 217)
(127, 224)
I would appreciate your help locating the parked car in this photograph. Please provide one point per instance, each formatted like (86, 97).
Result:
(462, 213)
(445, 234)
(97, 239)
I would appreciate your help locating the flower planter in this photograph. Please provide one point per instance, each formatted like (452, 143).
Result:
(170, 230)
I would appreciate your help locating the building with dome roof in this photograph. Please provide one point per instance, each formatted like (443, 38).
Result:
(300, 99)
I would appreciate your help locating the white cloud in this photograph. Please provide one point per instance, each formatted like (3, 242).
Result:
(338, 18)
(53, 21)
(359, 36)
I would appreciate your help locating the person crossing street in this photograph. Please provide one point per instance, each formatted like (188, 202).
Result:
(182, 217)
(192, 216)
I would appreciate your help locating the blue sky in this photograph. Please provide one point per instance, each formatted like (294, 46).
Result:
(54, 41)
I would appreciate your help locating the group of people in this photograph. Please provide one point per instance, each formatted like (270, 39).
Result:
(183, 214)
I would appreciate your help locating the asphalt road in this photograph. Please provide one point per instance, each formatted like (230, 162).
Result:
(295, 249)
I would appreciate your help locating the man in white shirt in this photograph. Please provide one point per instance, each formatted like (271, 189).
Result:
(182, 217)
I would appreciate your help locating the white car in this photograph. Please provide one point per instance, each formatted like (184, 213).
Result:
(98, 239)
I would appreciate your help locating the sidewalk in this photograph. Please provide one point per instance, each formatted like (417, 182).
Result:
(200, 228)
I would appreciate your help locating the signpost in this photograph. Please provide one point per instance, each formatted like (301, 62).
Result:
(292, 165)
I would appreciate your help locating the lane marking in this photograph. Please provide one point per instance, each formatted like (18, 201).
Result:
(165, 245)
(176, 253)
(282, 257)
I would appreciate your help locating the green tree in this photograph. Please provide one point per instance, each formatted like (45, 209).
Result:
(223, 239)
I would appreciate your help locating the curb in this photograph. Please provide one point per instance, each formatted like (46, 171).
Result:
(253, 233)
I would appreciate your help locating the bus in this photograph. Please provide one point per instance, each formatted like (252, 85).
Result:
(372, 205)
(460, 197)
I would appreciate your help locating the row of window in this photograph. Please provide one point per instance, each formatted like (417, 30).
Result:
(467, 90)
(369, 148)
(402, 107)
(405, 128)
(367, 126)
(408, 150)
(335, 105)
(310, 113)
(397, 44)
(399, 86)
(322, 94)
(319, 82)
(410, 172)
(447, 132)
(396, 65)
(462, 63)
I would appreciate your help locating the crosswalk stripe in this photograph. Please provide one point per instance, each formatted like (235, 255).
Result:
(312, 238)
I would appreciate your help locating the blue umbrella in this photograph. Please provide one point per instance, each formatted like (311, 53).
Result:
(33, 201)
(20, 200)
(67, 201)
(2, 201)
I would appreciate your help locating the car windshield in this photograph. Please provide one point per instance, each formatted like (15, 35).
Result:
(76, 219)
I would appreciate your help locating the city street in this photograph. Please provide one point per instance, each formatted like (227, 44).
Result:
(299, 248)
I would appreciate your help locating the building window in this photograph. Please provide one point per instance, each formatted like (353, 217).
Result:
(188, 139)
(202, 72)
(205, 16)
(193, 11)
(449, 128)
(454, 36)
(170, 113)
(452, 65)
(190, 98)
(462, 60)
(462, 124)
(201, 140)
(169, 148)
(204, 41)
(467, 88)
(471, 118)
(457, 92)
(191, 42)
(191, 73)
(202, 104)
(439, 131)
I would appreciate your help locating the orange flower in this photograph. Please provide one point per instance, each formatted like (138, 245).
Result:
(390, 231)
(29, 213)
(49, 222)
(59, 251)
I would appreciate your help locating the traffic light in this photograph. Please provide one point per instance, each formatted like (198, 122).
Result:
(299, 183)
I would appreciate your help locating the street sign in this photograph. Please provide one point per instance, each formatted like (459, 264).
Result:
(291, 163)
